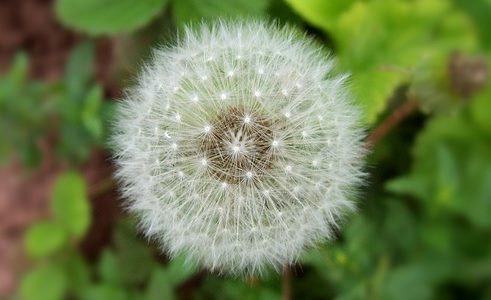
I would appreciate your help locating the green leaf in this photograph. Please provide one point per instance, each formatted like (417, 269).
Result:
(372, 88)
(90, 113)
(75, 144)
(108, 268)
(106, 292)
(478, 10)
(44, 238)
(415, 276)
(384, 43)
(159, 286)
(135, 259)
(78, 70)
(99, 17)
(70, 204)
(481, 110)
(452, 170)
(412, 185)
(180, 269)
(321, 13)
(19, 70)
(186, 11)
(46, 282)
(77, 273)
(29, 154)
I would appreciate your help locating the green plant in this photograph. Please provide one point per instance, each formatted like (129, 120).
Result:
(52, 243)
(422, 230)
(123, 268)
(72, 108)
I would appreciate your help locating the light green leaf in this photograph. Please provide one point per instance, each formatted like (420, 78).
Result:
(372, 88)
(481, 109)
(186, 11)
(321, 13)
(44, 238)
(46, 282)
(99, 17)
(70, 204)
(382, 43)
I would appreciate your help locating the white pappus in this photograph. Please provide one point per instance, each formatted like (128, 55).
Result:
(239, 147)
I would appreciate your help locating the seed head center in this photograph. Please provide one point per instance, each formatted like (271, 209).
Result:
(239, 147)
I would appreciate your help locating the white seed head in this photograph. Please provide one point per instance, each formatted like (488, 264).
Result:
(249, 182)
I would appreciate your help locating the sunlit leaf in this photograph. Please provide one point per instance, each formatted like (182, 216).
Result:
(321, 13)
(70, 203)
(47, 282)
(45, 238)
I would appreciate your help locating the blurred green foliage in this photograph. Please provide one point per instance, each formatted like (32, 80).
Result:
(52, 243)
(423, 229)
(72, 109)
(127, 269)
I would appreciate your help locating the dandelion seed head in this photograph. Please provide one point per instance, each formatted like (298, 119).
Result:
(246, 183)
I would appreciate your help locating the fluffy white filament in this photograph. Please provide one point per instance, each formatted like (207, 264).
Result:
(238, 147)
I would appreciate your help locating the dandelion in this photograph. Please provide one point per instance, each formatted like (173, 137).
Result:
(239, 147)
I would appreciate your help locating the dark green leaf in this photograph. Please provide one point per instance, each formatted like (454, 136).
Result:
(77, 273)
(98, 17)
(79, 69)
(91, 112)
(108, 268)
(159, 286)
(106, 292)
(187, 11)
(179, 269)
(134, 256)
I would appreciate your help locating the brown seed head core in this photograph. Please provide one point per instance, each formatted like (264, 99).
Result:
(238, 147)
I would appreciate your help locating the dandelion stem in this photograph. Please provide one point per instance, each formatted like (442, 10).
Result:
(286, 280)
(399, 114)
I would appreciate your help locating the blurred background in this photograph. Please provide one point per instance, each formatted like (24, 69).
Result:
(420, 72)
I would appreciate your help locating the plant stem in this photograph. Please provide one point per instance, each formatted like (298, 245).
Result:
(286, 282)
(391, 121)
